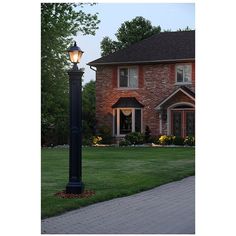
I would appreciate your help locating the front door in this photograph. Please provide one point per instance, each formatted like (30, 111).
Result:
(183, 123)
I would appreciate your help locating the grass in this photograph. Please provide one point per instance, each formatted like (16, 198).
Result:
(111, 172)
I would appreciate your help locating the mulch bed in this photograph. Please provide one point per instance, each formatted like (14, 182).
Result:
(85, 194)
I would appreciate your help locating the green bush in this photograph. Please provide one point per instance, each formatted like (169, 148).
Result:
(86, 141)
(154, 139)
(135, 138)
(147, 134)
(106, 134)
(178, 140)
(124, 143)
(190, 141)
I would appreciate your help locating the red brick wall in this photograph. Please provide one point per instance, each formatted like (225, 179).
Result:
(156, 82)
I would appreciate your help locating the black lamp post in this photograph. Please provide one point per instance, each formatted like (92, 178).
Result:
(75, 184)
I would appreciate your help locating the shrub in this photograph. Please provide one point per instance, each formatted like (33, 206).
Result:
(154, 139)
(86, 141)
(190, 141)
(96, 140)
(166, 140)
(147, 134)
(124, 143)
(135, 138)
(178, 140)
(106, 134)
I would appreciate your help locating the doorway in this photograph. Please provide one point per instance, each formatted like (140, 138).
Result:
(183, 122)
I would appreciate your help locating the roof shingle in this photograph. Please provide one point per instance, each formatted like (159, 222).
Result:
(127, 102)
(166, 46)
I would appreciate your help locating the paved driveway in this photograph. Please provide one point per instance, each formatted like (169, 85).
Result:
(168, 209)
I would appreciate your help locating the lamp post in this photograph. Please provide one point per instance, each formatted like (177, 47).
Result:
(75, 184)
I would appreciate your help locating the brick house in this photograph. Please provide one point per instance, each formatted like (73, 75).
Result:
(150, 83)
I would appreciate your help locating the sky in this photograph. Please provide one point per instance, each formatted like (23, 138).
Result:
(168, 15)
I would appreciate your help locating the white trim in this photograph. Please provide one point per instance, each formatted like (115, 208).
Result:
(133, 120)
(170, 96)
(168, 120)
(125, 88)
(183, 83)
(160, 125)
(140, 62)
(141, 120)
(118, 122)
(113, 120)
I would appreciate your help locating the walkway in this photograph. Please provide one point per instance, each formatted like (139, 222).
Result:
(168, 209)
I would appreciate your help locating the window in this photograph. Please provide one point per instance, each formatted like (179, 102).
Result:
(127, 120)
(128, 77)
(183, 74)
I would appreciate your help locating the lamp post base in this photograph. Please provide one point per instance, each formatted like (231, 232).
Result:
(75, 187)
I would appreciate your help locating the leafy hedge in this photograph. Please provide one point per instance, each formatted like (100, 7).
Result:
(136, 138)
(175, 140)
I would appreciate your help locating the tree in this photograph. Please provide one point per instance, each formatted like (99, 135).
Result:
(185, 29)
(59, 23)
(130, 32)
(89, 109)
(109, 46)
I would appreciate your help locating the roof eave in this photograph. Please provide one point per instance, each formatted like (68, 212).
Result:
(172, 94)
(140, 62)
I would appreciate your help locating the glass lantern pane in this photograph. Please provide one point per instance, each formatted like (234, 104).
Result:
(79, 56)
(75, 56)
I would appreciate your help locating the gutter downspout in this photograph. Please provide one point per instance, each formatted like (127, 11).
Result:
(93, 69)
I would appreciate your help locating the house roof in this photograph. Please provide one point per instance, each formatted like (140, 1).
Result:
(182, 89)
(161, 47)
(127, 102)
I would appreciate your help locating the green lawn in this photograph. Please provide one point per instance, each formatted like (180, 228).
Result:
(111, 172)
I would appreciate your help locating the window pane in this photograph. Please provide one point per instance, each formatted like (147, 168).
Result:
(187, 73)
(190, 123)
(125, 121)
(133, 78)
(137, 120)
(177, 123)
(180, 74)
(124, 77)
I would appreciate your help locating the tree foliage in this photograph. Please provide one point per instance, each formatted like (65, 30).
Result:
(185, 29)
(129, 32)
(59, 23)
(88, 114)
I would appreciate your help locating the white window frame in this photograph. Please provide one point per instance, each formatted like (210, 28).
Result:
(116, 121)
(128, 67)
(182, 65)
